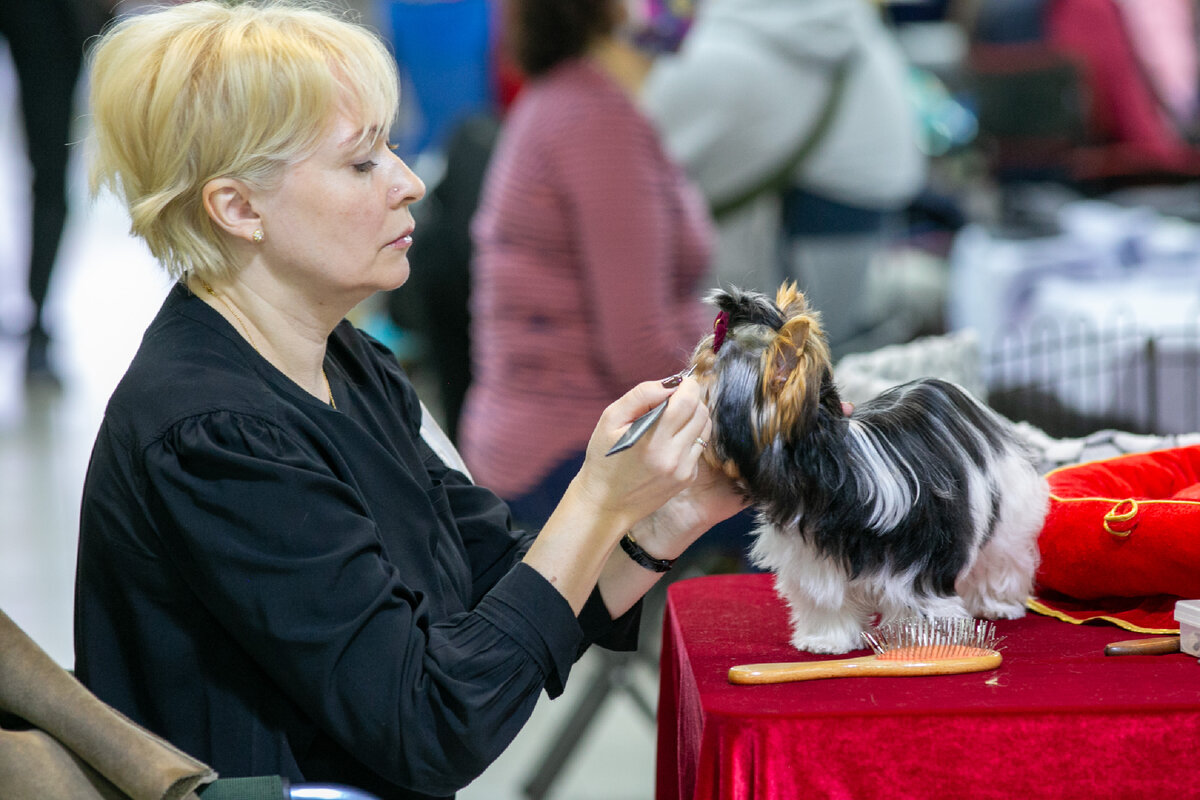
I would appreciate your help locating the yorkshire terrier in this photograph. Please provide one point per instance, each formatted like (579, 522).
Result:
(922, 502)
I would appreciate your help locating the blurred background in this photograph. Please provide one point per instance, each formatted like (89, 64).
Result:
(1049, 260)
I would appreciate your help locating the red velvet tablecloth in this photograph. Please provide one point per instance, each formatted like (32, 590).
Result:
(1058, 719)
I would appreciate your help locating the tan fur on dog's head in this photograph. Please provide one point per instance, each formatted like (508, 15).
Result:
(764, 368)
(794, 365)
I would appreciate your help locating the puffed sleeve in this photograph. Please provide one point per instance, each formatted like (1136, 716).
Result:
(285, 555)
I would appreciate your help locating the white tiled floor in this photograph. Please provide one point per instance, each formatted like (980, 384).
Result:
(105, 290)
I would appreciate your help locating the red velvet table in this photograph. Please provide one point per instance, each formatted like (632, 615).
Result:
(1058, 719)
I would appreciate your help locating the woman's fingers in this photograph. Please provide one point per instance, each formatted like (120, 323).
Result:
(682, 432)
(638, 400)
(683, 403)
(662, 463)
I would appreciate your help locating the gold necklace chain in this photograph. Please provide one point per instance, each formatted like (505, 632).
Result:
(250, 339)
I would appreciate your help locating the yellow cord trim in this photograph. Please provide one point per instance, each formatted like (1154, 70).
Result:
(1123, 500)
(1045, 610)
(1112, 516)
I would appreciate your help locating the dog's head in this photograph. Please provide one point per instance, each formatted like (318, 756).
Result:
(768, 375)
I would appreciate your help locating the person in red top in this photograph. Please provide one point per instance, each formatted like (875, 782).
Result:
(590, 245)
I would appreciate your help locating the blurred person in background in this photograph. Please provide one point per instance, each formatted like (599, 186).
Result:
(589, 249)
(46, 40)
(282, 568)
(794, 118)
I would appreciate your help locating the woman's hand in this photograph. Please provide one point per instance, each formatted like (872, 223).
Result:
(668, 531)
(712, 498)
(612, 493)
(635, 482)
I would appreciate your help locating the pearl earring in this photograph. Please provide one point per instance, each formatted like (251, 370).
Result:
(257, 236)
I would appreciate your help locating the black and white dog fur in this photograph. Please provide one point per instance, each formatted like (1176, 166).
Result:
(922, 502)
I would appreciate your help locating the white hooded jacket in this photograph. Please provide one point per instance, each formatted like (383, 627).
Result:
(752, 76)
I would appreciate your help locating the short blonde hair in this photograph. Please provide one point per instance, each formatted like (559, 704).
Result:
(206, 89)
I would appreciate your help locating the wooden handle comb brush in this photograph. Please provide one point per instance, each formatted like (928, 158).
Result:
(916, 647)
(1153, 646)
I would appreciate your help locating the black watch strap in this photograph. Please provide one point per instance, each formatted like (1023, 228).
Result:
(642, 558)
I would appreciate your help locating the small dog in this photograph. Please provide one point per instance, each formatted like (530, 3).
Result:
(922, 502)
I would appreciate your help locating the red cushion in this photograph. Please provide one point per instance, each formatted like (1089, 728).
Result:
(1124, 527)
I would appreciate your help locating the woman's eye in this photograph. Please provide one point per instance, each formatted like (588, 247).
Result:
(365, 166)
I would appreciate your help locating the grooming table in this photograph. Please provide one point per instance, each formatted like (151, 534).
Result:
(1057, 719)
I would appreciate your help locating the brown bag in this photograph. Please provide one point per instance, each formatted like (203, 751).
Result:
(58, 740)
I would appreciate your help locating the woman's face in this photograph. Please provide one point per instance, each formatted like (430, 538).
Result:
(339, 224)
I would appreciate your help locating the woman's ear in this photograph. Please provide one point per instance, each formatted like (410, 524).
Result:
(227, 202)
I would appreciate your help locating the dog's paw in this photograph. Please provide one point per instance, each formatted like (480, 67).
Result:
(1002, 611)
(831, 643)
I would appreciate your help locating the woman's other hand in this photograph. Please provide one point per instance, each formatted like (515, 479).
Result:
(712, 498)
(670, 529)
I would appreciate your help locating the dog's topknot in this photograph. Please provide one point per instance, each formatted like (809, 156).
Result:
(766, 379)
(797, 362)
(786, 333)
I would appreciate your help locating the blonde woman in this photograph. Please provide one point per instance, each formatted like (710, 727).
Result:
(276, 572)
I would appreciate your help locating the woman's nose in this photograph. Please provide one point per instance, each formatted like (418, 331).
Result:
(406, 186)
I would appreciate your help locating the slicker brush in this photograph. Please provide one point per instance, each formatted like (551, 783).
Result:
(919, 646)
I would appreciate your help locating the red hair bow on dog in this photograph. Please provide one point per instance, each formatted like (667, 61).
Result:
(720, 327)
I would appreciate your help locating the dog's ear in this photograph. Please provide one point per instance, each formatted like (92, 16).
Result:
(791, 339)
(786, 351)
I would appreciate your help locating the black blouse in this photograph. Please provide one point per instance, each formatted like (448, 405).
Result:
(280, 587)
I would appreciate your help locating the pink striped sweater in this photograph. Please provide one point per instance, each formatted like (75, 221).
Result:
(589, 248)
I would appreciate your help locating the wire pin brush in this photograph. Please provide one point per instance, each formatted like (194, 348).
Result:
(920, 646)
